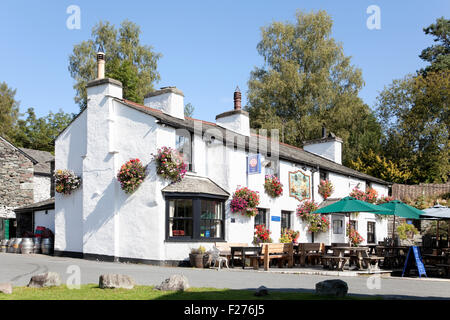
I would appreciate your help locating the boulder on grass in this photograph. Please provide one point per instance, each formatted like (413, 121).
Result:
(335, 287)
(261, 291)
(115, 281)
(6, 288)
(48, 279)
(176, 282)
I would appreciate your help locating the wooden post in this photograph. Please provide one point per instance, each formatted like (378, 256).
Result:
(266, 257)
(291, 255)
(437, 233)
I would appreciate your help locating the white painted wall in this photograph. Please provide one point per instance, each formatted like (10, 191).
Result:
(70, 148)
(45, 218)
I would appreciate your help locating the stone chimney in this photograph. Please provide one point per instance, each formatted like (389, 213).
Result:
(169, 100)
(236, 120)
(329, 146)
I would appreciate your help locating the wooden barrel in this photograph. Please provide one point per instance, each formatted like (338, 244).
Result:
(4, 246)
(46, 246)
(16, 245)
(37, 245)
(27, 245)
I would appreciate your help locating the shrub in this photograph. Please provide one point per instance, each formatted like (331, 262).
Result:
(66, 181)
(131, 175)
(170, 164)
(199, 250)
(288, 236)
(273, 186)
(404, 230)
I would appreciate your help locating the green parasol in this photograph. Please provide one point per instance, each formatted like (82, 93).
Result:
(350, 204)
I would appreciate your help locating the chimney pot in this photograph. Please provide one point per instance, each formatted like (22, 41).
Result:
(237, 99)
(100, 64)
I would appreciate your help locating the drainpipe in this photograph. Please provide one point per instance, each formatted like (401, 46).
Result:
(312, 192)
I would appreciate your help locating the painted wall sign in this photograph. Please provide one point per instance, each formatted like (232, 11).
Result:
(254, 164)
(299, 185)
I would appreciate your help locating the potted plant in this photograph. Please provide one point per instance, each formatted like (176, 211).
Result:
(198, 257)
(288, 236)
(262, 235)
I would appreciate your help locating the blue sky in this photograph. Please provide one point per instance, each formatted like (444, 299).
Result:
(208, 47)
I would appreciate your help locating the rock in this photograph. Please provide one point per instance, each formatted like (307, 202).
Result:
(49, 279)
(6, 288)
(261, 291)
(115, 281)
(333, 287)
(176, 282)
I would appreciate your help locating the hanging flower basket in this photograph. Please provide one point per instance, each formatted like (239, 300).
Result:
(170, 164)
(325, 188)
(273, 186)
(369, 196)
(66, 181)
(262, 235)
(316, 222)
(245, 201)
(131, 175)
(354, 236)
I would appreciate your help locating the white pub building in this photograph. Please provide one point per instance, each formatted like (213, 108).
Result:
(161, 221)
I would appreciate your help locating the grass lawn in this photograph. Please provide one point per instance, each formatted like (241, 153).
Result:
(93, 292)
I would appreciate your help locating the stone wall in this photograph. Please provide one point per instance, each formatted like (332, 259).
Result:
(16, 179)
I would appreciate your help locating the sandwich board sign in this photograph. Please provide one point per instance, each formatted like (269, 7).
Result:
(414, 250)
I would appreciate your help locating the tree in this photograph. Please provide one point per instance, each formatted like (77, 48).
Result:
(9, 110)
(414, 114)
(189, 110)
(437, 55)
(307, 82)
(39, 133)
(127, 60)
(378, 166)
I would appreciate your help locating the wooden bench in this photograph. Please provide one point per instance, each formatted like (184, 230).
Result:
(310, 253)
(369, 260)
(281, 251)
(446, 268)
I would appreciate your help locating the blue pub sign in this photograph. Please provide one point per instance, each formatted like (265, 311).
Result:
(254, 164)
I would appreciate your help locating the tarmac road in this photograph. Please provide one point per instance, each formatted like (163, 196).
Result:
(18, 269)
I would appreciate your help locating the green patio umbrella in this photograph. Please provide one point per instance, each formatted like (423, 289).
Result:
(400, 209)
(350, 204)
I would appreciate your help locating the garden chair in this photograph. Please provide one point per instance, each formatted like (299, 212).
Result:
(214, 255)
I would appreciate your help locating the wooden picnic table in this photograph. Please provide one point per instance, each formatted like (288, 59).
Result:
(343, 260)
(245, 251)
(394, 256)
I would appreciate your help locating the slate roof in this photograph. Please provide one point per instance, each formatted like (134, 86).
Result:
(42, 158)
(195, 184)
(41, 205)
(286, 152)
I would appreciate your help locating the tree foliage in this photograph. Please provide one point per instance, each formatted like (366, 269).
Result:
(307, 82)
(188, 110)
(437, 55)
(9, 110)
(127, 60)
(39, 133)
(414, 114)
